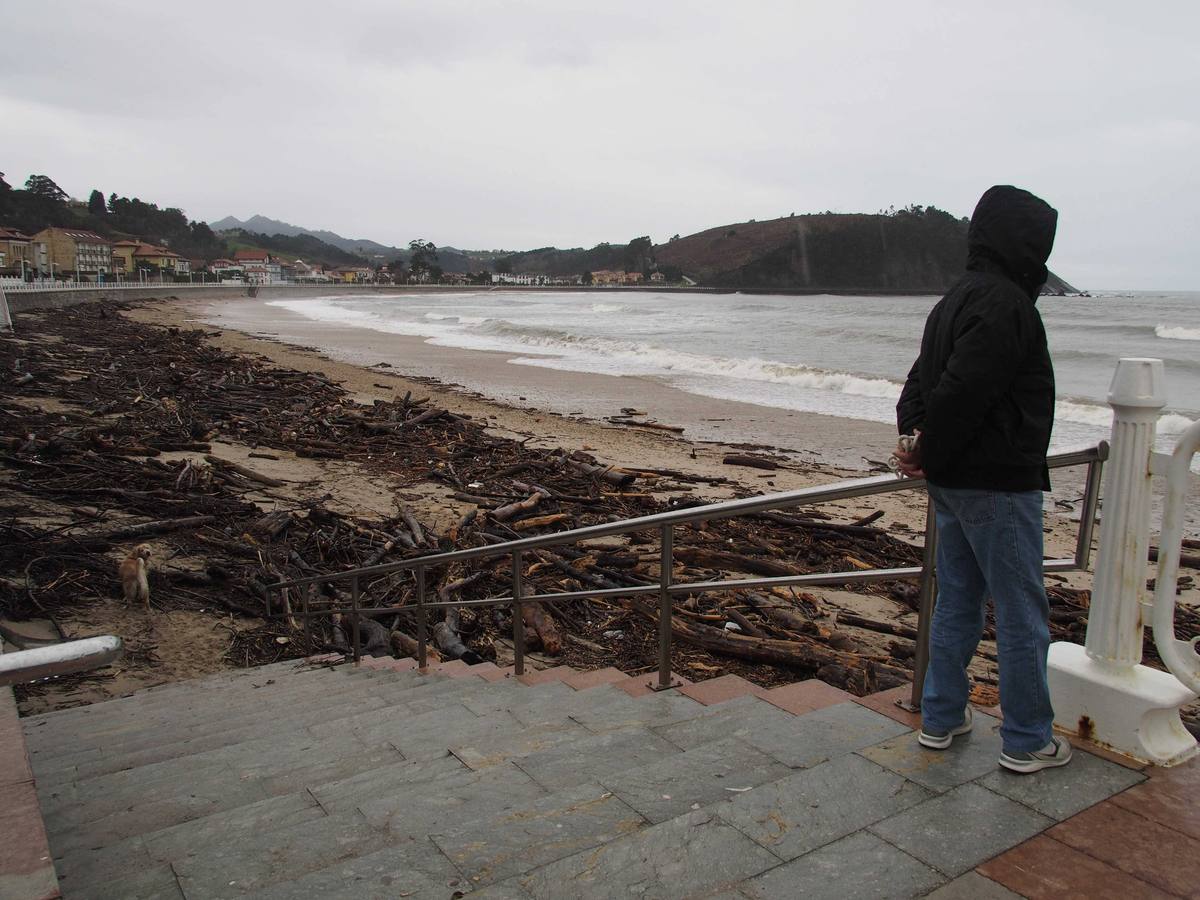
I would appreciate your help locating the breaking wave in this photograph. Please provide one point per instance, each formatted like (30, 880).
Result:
(1177, 333)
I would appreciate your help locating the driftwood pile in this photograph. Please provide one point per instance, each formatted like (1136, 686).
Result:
(106, 439)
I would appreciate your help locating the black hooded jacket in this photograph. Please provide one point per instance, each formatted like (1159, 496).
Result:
(982, 391)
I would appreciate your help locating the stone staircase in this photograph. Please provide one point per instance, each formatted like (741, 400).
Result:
(310, 780)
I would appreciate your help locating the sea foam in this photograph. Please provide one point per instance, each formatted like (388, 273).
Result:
(1177, 333)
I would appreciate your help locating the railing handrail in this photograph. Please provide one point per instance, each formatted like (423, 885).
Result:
(723, 509)
(19, 666)
(665, 522)
(1178, 656)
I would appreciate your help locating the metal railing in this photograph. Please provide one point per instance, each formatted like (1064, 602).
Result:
(667, 589)
(1178, 656)
(20, 666)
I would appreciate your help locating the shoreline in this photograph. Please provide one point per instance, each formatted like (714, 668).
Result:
(837, 446)
(821, 449)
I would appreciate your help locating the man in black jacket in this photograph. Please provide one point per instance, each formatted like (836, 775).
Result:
(981, 398)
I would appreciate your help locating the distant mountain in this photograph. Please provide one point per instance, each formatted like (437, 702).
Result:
(918, 249)
(263, 225)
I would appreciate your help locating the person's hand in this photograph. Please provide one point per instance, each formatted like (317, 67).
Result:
(908, 457)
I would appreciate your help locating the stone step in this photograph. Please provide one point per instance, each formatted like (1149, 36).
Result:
(104, 862)
(331, 712)
(595, 756)
(291, 853)
(283, 854)
(551, 828)
(414, 868)
(263, 758)
(493, 749)
(657, 709)
(419, 809)
(345, 794)
(150, 726)
(711, 773)
(180, 738)
(139, 712)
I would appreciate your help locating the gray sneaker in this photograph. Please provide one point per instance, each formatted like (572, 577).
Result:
(1056, 753)
(940, 740)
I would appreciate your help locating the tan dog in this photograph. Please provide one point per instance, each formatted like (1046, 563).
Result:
(134, 574)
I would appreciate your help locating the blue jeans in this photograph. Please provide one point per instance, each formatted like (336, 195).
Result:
(990, 544)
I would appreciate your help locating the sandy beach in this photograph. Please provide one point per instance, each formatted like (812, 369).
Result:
(528, 401)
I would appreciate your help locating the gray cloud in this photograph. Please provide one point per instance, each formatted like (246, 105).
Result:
(525, 124)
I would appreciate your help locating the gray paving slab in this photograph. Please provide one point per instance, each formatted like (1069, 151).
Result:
(346, 793)
(735, 718)
(197, 743)
(284, 854)
(214, 705)
(275, 783)
(398, 728)
(492, 749)
(549, 829)
(432, 697)
(434, 733)
(413, 869)
(101, 864)
(956, 831)
(504, 890)
(144, 706)
(596, 698)
(501, 695)
(232, 827)
(969, 757)
(90, 801)
(860, 866)
(155, 882)
(1061, 793)
(150, 815)
(810, 739)
(241, 762)
(418, 809)
(690, 856)
(708, 774)
(972, 886)
(817, 806)
(596, 755)
(661, 709)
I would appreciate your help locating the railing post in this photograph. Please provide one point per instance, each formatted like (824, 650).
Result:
(926, 600)
(305, 593)
(518, 621)
(666, 564)
(422, 638)
(1101, 691)
(1087, 516)
(355, 640)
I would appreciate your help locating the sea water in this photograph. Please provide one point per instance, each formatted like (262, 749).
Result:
(844, 356)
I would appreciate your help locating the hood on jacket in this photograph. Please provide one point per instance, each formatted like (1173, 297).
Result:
(1012, 229)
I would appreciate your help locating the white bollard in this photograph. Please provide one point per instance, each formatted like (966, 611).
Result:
(1101, 691)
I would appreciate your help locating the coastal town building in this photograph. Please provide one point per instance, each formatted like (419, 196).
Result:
(523, 278)
(258, 266)
(126, 256)
(71, 252)
(611, 276)
(19, 253)
(354, 274)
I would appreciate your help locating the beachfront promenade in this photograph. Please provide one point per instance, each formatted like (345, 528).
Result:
(301, 780)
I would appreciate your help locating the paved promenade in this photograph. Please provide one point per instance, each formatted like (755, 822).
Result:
(377, 782)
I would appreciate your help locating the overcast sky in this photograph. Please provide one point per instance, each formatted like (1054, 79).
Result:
(524, 124)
